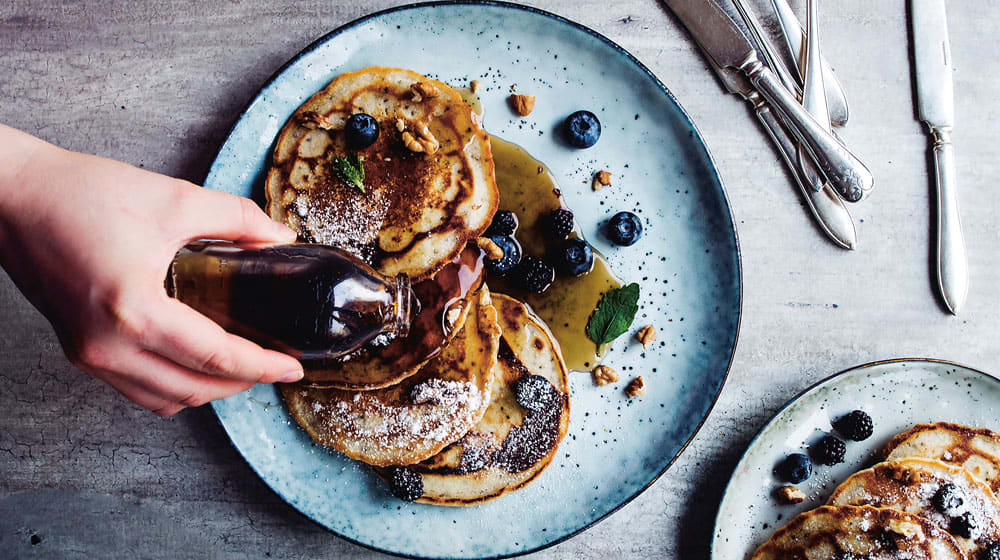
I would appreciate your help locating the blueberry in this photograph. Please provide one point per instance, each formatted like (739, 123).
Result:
(534, 392)
(828, 451)
(624, 228)
(582, 129)
(795, 468)
(856, 425)
(360, 131)
(406, 484)
(964, 526)
(559, 223)
(504, 223)
(948, 499)
(574, 257)
(511, 255)
(534, 274)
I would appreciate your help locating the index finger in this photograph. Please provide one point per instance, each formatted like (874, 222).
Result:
(191, 339)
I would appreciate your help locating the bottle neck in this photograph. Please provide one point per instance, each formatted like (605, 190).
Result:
(405, 307)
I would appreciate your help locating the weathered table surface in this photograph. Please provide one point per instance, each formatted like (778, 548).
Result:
(157, 84)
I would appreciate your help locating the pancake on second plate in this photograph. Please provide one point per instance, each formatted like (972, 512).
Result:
(416, 418)
(418, 208)
(510, 445)
(849, 532)
(977, 450)
(444, 304)
(943, 494)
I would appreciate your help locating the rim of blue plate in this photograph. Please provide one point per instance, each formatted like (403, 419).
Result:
(701, 145)
(810, 389)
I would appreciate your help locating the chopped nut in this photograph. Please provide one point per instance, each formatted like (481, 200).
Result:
(424, 90)
(791, 495)
(906, 529)
(422, 141)
(604, 375)
(474, 86)
(513, 87)
(492, 250)
(400, 124)
(646, 336)
(635, 387)
(601, 179)
(313, 120)
(540, 169)
(522, 104)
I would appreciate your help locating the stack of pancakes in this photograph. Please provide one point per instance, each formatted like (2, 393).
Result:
(435, 409)
(932, 497)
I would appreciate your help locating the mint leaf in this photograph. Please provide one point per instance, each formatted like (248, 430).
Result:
(614, 314)
(350, 170)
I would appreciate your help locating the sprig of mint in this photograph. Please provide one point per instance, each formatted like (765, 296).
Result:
(350, 170)
(614, 314)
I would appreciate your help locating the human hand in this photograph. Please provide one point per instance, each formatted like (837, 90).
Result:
(88, 240)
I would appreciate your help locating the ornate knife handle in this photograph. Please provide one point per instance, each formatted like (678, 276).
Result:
(828, 209)
(952, 262)
(843, 170)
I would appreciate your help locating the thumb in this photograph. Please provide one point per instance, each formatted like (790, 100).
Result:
(221, 215)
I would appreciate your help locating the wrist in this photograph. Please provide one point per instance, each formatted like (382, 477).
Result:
(18, 151)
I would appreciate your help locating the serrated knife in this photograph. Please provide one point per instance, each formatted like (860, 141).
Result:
(936, 107)
(729, 48)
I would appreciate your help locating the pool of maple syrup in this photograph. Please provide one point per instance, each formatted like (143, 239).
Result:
(530, 191)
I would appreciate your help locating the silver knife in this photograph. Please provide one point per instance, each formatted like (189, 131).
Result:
(792, 31)
(728, 47)
(828, 209)
(936, 106)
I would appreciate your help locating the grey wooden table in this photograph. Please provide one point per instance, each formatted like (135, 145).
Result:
(157, 84)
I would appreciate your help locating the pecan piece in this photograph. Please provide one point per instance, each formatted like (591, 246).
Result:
(522, 104)
(492, 250)
(790, 495)
(646, 336)
(313, 120)
(635, 387)
(424, 90)
(604, 375)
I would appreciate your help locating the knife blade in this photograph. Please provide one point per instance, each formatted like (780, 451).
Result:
(728, 47)
(936, 107)
(827, 208)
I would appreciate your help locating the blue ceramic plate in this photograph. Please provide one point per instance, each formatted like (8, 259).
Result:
(896, 393)
(687, 264)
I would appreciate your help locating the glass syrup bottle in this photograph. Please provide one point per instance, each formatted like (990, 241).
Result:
(314, 302)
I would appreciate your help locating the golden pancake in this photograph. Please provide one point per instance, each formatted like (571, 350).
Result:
(976, 450)
(850, 532)
(418, 208)
(416, 418)
(510, 445)
(923, 487)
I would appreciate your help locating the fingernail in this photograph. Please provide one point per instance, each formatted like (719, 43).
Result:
(291, 377)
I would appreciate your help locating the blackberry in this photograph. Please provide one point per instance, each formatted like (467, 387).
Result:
(795, 468)
(406, 484)
(534, 274)
(559, 223)
(828, 451)
(504, 223)
(964, 526)
(856, 425)
(948, 499)
(511, 255)
(991, 553)
(534, 392)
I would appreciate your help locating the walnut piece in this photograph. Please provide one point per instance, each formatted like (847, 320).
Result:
(906, 529)
(474, 86)
(791, 495)
(313, 120)
(522, 104)
(604, 375)
(601, 179)
(420, 140)
(492, 250)
(424, 90)
(635, 387)
(646, 336)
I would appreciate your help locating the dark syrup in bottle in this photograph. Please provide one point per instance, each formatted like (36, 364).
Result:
(313, 302)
